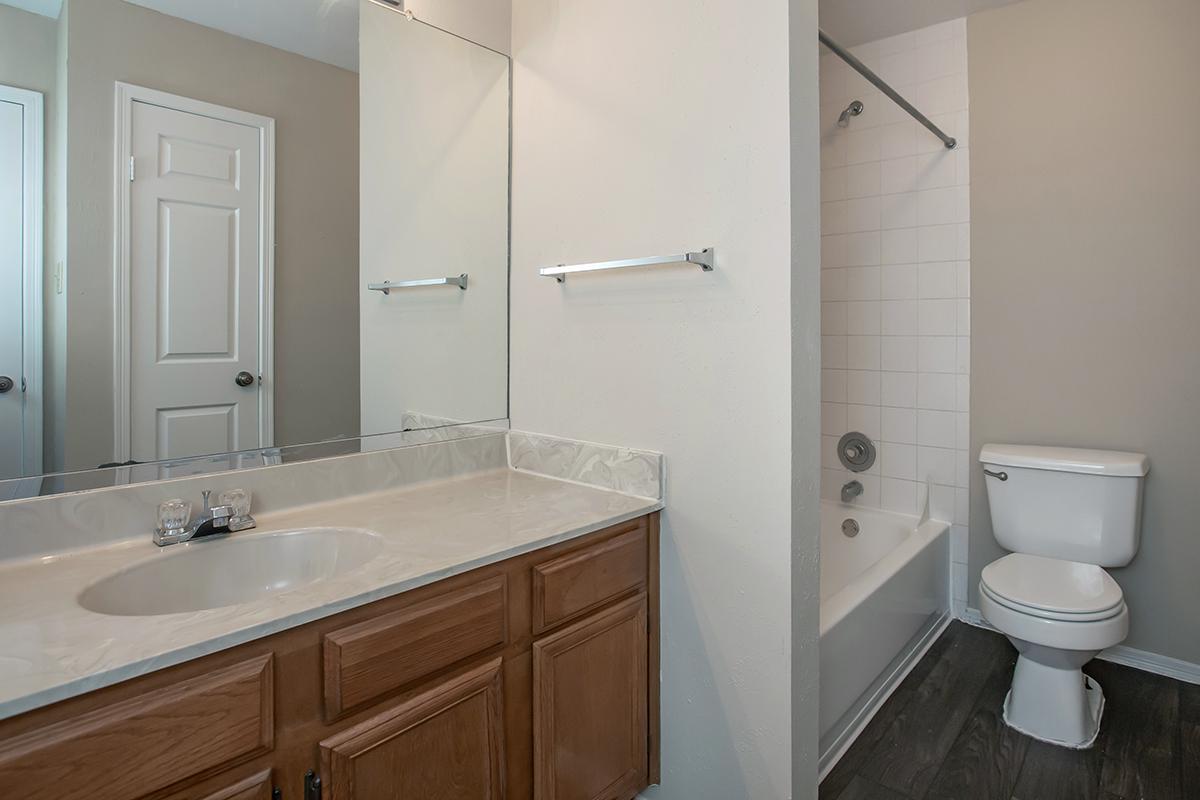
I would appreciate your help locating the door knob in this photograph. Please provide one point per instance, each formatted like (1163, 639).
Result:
(6, 384)
(244, 378)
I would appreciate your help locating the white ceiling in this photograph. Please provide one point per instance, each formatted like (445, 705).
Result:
(851, 22)
(325, 30)
(47, 8)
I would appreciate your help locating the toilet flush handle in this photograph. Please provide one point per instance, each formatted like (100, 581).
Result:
(1001, 475)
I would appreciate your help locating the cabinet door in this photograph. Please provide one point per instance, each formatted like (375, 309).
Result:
(590, 707)
(447, 743)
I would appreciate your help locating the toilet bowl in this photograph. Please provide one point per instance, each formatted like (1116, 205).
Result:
(1058, 614)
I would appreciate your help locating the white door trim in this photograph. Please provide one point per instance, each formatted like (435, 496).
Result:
(32, 204)
(126, 95)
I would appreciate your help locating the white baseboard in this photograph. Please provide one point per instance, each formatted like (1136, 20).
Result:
(1157, 664)
(1175, 668)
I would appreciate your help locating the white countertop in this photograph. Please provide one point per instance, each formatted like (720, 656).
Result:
(52, 649)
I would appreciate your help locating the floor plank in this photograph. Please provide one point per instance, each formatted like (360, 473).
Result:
(941, 736)
(1140, 743)
(908, 755)
(860, 788)
(1189, 740)
(1050, 771)
(840, 777)
(986, 758)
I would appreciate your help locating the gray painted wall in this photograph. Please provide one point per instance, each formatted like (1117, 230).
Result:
(315, 107)
(805, 275)
(30, 58)
(27, 50)
(1085, 122)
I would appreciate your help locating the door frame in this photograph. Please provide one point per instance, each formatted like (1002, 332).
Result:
(32, 271)
(126, 95)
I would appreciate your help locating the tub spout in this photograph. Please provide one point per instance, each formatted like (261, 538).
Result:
(851, 490)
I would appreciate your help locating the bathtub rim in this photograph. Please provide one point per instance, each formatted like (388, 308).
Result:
(839, 604)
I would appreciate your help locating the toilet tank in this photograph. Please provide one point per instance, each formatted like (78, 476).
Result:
(1059, 502)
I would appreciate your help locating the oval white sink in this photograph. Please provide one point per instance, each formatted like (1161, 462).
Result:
(226, 572)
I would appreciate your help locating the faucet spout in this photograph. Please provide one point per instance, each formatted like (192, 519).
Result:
(851, 490)
(212, 521)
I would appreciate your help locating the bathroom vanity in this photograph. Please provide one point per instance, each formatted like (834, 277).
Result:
(431, 606)
(532, 677)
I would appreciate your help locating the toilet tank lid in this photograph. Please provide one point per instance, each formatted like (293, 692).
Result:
(1066, 459)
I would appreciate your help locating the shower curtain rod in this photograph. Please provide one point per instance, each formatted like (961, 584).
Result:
(865, 71)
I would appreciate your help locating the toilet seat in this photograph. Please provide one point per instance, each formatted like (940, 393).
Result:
(1041, 613)
(1088, 635)
(1052, 589)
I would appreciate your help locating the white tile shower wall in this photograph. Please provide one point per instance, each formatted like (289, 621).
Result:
(896, 279)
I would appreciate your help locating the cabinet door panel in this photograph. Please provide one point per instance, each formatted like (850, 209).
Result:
(590, 707)
(447, 743)
(256, 787)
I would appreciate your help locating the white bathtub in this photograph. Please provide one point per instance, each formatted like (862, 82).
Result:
(884, 598)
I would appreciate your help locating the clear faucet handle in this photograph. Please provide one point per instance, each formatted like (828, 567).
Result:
(236, 499)
(173, 515)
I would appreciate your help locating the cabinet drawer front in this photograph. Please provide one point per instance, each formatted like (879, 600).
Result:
(372, 658)
(144, 744)
(578, 582)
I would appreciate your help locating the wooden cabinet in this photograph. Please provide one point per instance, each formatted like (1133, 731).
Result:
(158, 738)
(365, 661)
(590, 707)
(532, 678)
(447, 743)
(255, 787)
(571, 585)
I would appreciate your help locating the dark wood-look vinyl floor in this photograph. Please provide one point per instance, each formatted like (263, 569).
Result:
(941, 736)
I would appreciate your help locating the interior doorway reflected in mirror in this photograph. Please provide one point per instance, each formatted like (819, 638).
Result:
(220, 183)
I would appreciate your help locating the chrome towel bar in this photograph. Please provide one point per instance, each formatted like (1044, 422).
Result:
(702, 259)
(387, 286)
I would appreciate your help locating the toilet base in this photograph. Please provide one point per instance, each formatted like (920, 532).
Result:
(1058, 706)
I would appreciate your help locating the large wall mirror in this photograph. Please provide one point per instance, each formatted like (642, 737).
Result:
(231, 227)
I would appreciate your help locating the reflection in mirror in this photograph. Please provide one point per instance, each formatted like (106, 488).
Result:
(195, 201)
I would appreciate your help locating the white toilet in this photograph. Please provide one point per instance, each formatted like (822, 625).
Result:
(1066, 514)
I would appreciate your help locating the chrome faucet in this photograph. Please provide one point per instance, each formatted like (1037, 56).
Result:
(212, 521)
(851, 490)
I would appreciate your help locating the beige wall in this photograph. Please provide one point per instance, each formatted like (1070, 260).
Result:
(315, 107)
(1085, 201)
(489, 23)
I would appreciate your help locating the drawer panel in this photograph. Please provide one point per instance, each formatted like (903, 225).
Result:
(144, 744)
(573, 584)
(372, 658)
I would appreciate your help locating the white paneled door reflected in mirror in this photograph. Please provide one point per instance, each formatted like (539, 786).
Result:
(194, 201)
